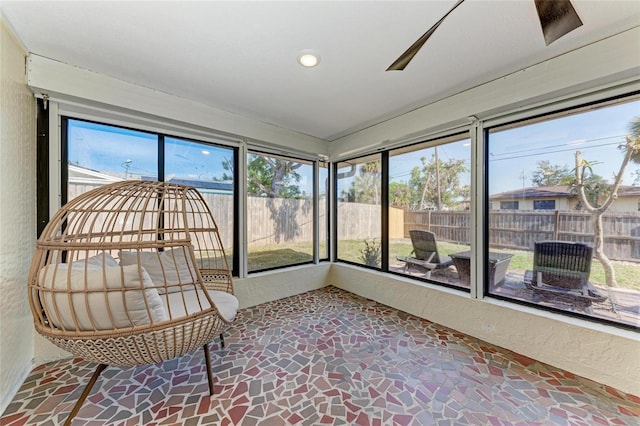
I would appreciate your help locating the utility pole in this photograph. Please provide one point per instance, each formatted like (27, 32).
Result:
(439, 204)
(126, 166)
(523, 180)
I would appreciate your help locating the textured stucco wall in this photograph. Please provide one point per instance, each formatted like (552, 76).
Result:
(606, 356)
(17, 215)
(274, 285)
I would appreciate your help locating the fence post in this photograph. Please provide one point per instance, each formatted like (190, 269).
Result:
(556, 224)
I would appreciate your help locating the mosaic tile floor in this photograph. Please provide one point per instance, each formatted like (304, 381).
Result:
(327, 357)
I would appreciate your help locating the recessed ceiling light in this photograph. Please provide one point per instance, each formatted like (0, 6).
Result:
(308, 59)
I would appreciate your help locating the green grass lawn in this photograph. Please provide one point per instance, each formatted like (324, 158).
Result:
(273, 256)
(351, 250)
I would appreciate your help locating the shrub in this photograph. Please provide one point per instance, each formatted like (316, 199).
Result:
(370, 254)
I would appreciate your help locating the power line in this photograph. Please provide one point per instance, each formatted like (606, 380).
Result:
(552, 152)
(559, 145)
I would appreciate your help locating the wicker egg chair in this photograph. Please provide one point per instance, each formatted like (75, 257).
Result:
(132, 273)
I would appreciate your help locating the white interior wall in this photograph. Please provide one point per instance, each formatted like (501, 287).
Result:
(17, 215)
(278, 284)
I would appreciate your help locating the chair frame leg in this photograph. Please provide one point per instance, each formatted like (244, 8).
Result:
(85, 393)
(207, 359)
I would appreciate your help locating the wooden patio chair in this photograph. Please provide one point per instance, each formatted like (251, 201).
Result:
(561, 272)
(170, 293)
(425, 253)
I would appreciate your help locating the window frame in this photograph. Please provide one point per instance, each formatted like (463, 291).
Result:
(64, 167)
(545, 204)
(337, 217)
(528, 119)
(312, 163)
(435, 142)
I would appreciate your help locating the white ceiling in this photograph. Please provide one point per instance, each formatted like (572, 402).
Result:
(242, 56)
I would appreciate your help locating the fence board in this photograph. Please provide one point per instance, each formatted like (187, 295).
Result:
(521, 229)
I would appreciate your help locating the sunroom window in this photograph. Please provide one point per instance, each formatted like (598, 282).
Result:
(280, 224)
(578, 252)
(429, 215)
(97, 154)
(358, 210)
(209, 168)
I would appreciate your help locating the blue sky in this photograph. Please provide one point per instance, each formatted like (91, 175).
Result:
(114, 150)
(513, 153)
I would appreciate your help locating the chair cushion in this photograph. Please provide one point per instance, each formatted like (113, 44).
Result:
(100, 260)
(195, 301)
(81, 291)
(171, 267)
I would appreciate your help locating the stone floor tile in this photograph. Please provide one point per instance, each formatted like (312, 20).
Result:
(327, 357)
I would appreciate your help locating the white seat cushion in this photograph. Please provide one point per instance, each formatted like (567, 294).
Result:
(171, 267)
(99, 298)
(195, 301)
(100, 259)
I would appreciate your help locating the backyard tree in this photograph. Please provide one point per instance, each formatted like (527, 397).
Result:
(269, 177)
(366, 186)
(547, 174)
(273, 177)
(438, 182)
(598, 208)
(400, 195)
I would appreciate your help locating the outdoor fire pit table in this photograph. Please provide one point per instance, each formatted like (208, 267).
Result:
(499, 263)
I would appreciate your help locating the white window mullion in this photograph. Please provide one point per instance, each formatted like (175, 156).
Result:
(242, 207)
(476, 209)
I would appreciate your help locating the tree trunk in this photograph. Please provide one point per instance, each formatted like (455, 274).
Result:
(598, 212)
(598, 241)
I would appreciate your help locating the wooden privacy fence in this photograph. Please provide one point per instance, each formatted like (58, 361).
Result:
(520, 229)
(269, 220)
(357, 221)
(273, 221)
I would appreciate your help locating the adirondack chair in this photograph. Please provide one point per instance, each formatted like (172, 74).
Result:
(561, 272)
(425, 253)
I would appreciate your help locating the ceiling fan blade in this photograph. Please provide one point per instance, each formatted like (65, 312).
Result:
(404, 59)
(557, 18)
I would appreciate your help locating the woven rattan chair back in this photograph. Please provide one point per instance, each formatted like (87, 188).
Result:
(132, 273)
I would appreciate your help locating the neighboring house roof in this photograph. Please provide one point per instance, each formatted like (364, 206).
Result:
(536, 192)
(629, 191)
(79, 174)
(200, 184)
(562, 191)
